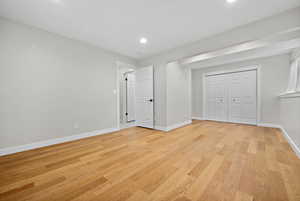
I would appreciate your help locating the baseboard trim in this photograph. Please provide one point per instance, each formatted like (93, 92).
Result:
(174, 126)
(35, 145)
(161, 128)
(16, 149)
(128, 126)
(290, 141)
(295, 148)
(268, 125)
(198, 118)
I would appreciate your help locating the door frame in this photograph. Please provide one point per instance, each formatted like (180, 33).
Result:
(117, 90)
(242, 69)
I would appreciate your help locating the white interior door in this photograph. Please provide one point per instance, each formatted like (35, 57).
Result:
(221, 98)
(216, 98)
(144, 97)
(243, 97)
(210, 107)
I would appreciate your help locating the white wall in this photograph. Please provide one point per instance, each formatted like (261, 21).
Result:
(290, 118)
(274, 75)
(178, 94)
(52, 87)
(160, 96)
(290, 109)
(252, 31)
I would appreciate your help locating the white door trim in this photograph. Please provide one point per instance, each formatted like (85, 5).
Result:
(117, 90)
(242, 69)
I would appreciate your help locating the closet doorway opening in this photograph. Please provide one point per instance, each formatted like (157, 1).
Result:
(232, 96)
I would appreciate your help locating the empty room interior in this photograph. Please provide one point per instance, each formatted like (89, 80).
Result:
(150, 100)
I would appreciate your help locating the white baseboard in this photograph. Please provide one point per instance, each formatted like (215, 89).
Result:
(35, 145)
(127, 125)
(174, 126)
(11, 150)
(261, 124)
(290, 141)
(161, 128)
(198, 118)
(285, 134)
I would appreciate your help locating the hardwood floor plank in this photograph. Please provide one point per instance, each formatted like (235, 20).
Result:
(204, 161)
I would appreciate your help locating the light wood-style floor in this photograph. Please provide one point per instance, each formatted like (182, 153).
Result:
(205, 161)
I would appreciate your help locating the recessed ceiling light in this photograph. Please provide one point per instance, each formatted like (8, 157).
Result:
(231, 1)
(143, 40)
(57, 1)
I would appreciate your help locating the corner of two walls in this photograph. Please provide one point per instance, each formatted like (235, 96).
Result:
(290, 121)
(172, 94)
(283, 113)
(53, 87)
(290, 112)
(178, 94)
(274, 75)
(252, 31)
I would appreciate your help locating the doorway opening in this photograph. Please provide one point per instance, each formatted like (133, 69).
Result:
(232, 96)
(135, 91)
(126, 94)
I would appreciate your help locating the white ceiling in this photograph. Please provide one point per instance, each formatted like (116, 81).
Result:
(117, 25)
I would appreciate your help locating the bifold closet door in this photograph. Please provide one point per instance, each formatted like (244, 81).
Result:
(231, 97)
(216, 102)
(242, 92)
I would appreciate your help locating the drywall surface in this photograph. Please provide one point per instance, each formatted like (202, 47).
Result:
(52, 86)
(178, 94)
(273, 81)
(252, 31)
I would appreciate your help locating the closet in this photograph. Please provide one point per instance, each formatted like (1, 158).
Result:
(231, 97)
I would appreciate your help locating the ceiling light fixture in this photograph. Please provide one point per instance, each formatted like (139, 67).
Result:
(57, 1)
(231, 1)
(143, 40)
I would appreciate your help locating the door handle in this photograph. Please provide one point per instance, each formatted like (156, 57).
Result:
(150, 100)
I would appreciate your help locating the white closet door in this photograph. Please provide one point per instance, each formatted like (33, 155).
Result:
(221, 98)
(210, 108)
(216, 108)
(242, 97)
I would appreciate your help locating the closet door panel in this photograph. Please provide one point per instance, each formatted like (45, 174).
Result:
(232, 97)
(234, 92)
(249, 95)
(242, 97)
(210, 98)
(221, 98)
(216, 100)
